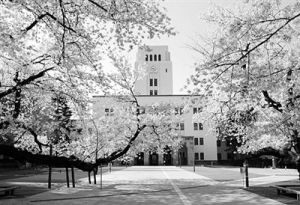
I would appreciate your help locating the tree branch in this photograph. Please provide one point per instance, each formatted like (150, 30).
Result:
(24, 82)
(256, 46)
(119, 153)
(276, 105)
(56, 161)
(98, 5)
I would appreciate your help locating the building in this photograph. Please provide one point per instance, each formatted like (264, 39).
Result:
(157, 86)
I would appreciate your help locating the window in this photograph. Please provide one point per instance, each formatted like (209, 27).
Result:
(151, 92)
(229, 156)
(146, 58)
(228, 143)
(219, 143)
(181, 126)
(197, 110)
(201, 156)
(179, 110)
(200, 126)
(90, 130)
(201, 141)
(195, 126)
(196, 141)
(196, 156)
(155, 92)
(155, 57)
(159, 57)
(141, 110)
(108, 111)
(219, 156)
(150, 57)
(155, 82)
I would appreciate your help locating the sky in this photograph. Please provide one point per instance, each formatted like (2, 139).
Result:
(186, 19)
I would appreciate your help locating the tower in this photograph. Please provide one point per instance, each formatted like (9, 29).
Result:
(158, 73)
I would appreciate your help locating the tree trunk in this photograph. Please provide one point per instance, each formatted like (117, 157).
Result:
(50, 170)
(95, 174)
(67, 177)
(89, 176)
(73, 177)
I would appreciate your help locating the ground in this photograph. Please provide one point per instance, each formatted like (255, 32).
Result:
(151, 185)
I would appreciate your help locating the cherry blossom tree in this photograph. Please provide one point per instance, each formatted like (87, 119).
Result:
(250, 69)
(56, 48)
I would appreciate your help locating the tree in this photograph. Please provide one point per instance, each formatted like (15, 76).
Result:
(56, 48)
(125, 130)
(252, 65)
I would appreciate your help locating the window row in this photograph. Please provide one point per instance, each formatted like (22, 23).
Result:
(198, 126)
(150, 57)
(109, 111)
(197, 156)
(198, 141)
(197, 110)
(153, 92)
(142, 110)
(178, 110)
(153, 82)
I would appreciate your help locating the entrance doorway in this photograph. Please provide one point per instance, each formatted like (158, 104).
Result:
(139, 159)
(153, 158)
(167, 156)
(182, 155)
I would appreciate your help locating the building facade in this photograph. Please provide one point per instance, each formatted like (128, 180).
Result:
(156, 85)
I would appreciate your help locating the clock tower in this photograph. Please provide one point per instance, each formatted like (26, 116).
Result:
(155, 71)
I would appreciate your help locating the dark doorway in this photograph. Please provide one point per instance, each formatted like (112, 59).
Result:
(182, 155)
(153, 158)
(167, 156)
(139, 159)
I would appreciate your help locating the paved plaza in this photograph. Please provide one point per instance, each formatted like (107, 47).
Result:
(158, 185)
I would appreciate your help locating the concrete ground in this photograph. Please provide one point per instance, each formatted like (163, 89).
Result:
(164, 185)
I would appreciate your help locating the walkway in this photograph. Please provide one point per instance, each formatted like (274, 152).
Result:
(153, 185)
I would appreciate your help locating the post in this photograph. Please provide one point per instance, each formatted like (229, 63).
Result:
(179, 159)
(194, 164)
(73, 177)
(67, 177)
(100, 176)
(50, 169)
(246, 174)
(273, 163)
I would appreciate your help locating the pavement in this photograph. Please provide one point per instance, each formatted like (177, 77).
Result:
(163, 185)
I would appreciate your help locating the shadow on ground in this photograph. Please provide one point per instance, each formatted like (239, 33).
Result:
(271, 193)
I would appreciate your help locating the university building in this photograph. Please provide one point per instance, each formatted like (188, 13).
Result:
(200, 143)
